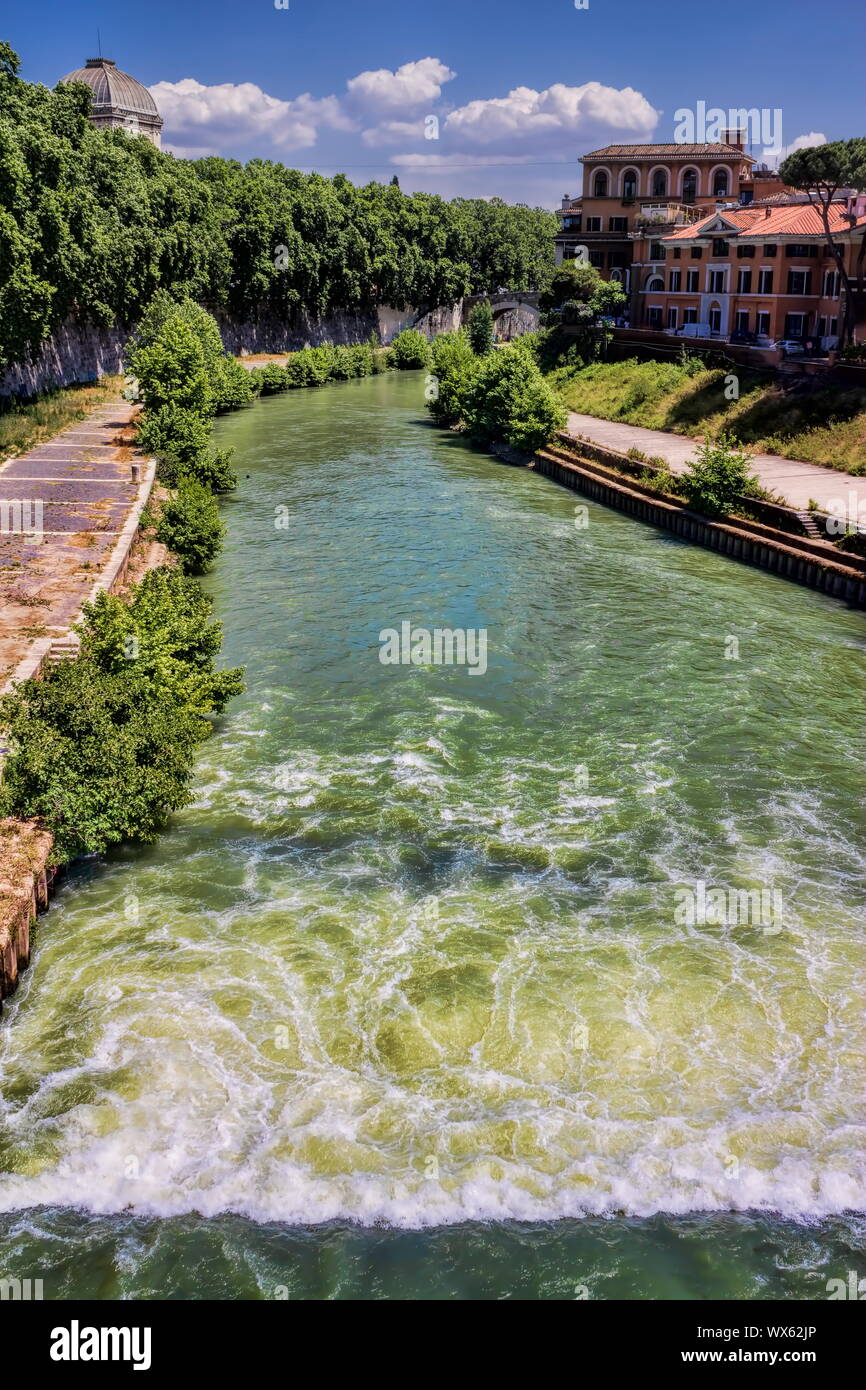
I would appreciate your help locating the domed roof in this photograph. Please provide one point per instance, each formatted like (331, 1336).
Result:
(113, 90)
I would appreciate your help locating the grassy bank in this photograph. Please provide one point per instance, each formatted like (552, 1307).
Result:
(825, 426)
(23, 426)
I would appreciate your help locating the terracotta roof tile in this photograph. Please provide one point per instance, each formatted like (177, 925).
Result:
(668, 151)
(790, 219)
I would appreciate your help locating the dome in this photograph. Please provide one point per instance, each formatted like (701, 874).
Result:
(114, 91)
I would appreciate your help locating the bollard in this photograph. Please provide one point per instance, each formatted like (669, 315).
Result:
(136, 472)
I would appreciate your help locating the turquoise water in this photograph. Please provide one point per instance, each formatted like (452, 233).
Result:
(406, 1004)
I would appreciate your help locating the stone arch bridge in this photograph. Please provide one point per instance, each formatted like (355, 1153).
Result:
(514, 311)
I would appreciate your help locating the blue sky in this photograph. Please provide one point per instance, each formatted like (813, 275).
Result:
(520, 88)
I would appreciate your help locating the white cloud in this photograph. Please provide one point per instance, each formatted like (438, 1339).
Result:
(232, 113)
(413, 85)
(553, 118)
(774, 157)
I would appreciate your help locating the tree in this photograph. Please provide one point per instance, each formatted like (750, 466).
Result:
(409, 350)
(718, 478)
(508, 400)
(452, 366)
(821, 171)
(480, 327)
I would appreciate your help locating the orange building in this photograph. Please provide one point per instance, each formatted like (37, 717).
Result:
(760, 272)
(701, 239)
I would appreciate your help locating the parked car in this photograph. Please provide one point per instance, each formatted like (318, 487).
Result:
(694, 330)
(744, 335)
(792, 347)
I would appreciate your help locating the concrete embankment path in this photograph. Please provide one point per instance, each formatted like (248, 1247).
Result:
(69, 510)
(796, 482)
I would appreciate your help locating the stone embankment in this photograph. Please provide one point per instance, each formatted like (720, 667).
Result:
(815, 563)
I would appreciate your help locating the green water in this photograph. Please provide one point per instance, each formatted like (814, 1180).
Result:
(404, 1005)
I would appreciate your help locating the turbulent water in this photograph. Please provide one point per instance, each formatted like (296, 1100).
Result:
(407, 1004)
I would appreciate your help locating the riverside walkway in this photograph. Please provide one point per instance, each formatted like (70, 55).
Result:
(792, 480)
(69, 510)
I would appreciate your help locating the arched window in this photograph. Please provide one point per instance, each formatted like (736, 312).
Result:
(599, 185)
(720, 183)
(655, 283)
(660, 183)
(690, 185)
(629, 184)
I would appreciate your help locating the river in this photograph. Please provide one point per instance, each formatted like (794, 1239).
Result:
(406, 1004)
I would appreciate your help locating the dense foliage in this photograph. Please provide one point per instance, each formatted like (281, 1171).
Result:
(717, 478)
(409, 350)
(452, 365)
(480, 327)
(102, 747)
(190, 525)
(93, 223)
(507, 400)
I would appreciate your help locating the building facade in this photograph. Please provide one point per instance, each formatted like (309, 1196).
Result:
(698, 236)
(119, 101)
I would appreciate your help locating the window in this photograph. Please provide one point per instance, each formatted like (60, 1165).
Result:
(629, 185)
(660, 183)
(741, 321)
(676, 277)
(765, 281)
(596, 258)
(795, 325)
(821, 330)
(655, 283)
(672, 317)
(657, 251)
(800, 249)
(690, 316)
(654, 317)
(692, 281)
(717, 281)
(762, 323)
(690, 186)
(770, 250)
(697, 252)
(834, 327)
(799, 282)
(720, 183)
(720, 246)
(617, 224)
(831, 284)
(743, 251)
(715, 320)
(593, 224)
(616, 258)
(677, 253)
(599, 185)
(744, 282)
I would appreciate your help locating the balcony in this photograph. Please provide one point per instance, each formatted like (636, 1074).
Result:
(667, 215)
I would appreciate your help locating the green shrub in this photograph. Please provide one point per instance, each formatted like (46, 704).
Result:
(409, 350)
(717, 478)
(231, 387)
(508, 399)
(171, 370)
(190, 525)
(272, 378)
(166, 629)
(173, 429)
(480, 327)
(452, 365)
(102, 747)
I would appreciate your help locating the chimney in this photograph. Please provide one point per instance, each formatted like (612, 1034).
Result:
(733, 137)
(566, 199)
(767, 212)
